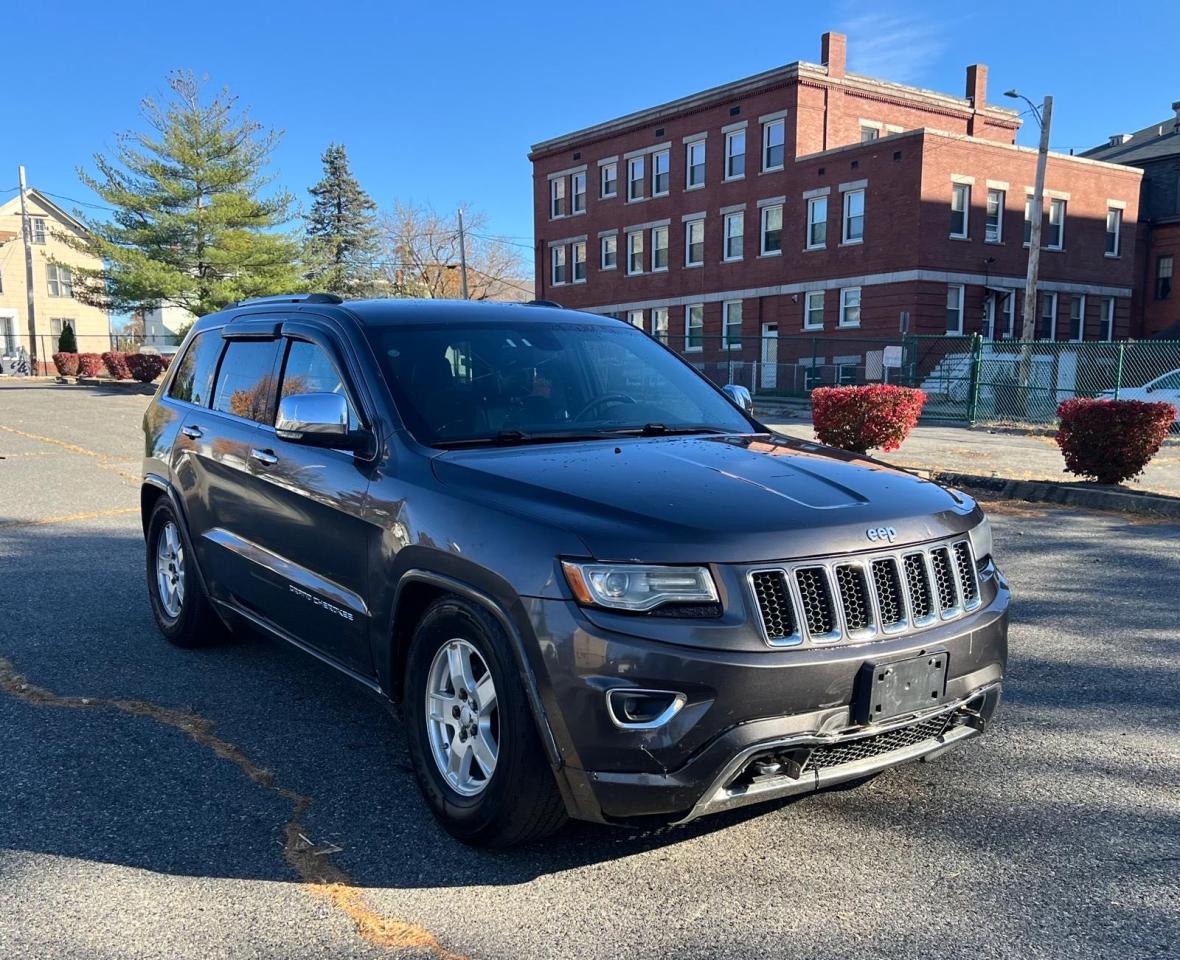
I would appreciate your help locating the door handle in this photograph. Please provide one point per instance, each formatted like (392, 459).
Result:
(191, 431)
(264, 457)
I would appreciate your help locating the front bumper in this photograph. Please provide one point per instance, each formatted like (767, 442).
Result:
(743, 705)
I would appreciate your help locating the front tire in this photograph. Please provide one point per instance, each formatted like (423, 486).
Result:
(472, 738)
(182, 611)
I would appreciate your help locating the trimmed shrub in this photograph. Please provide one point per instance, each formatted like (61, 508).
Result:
(1111, 440)
(67, 342)
(144, 367)
(66, 363)
(165, 360)
(860, 418)
(89, 364)
(116, 364)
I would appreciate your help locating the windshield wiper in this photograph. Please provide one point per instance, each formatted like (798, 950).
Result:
(662, 430)
(511, 438)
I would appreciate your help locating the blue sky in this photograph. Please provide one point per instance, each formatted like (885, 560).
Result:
(439, 103)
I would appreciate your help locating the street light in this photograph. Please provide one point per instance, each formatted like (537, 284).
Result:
(1044, 117)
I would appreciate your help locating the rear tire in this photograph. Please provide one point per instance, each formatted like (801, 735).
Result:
(453, 745)
(182, 610)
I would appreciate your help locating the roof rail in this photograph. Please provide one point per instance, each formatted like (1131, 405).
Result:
(291, 298)
(543, 303)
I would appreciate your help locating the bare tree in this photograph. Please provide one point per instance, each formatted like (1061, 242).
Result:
(420, 257)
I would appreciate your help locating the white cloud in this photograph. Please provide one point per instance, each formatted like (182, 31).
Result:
(894, 46)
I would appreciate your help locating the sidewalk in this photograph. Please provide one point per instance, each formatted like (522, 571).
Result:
(976, 450)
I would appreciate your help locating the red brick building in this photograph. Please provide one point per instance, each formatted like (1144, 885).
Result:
(1155, 306)
(807, 199)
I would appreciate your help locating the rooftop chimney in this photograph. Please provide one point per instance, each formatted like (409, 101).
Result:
(1118, 139)
(833, 47)
(977, 85)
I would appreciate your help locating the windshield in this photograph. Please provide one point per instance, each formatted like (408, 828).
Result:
(531, 381)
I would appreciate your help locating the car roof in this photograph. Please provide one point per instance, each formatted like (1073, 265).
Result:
(389, 312)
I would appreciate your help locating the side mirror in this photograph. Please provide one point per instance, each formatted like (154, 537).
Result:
(318, 420)
(740, 396)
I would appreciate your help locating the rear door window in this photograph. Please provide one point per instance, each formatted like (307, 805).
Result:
(246, 380)
(193, 382)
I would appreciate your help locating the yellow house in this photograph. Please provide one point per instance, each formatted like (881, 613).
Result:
(53, 289)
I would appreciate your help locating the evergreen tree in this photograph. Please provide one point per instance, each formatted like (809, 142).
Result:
(342, 236)
(194, 224)
(67, 342)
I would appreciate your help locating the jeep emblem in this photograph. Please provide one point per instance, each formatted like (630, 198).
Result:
(877, 534)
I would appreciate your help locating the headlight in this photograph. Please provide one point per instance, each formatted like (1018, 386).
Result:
(981, 539)
(627, 586)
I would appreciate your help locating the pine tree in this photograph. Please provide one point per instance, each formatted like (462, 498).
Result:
(341, 230)
(194, 223)
(67, 342)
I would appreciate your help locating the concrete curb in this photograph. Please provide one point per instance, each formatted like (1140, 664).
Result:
(1090, 496)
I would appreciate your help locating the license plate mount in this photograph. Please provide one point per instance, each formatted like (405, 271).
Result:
(892, 689)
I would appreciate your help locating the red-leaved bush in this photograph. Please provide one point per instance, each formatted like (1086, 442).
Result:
(165, 360)
(66, 363)
(860, 418)
(144, 367)
(89, 364)
(1111, 440)
(116, 364)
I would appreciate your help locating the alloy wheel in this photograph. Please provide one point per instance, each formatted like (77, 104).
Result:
(170, 570)
(462, 719)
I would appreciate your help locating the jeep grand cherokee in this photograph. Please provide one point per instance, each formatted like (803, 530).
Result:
(597, 586)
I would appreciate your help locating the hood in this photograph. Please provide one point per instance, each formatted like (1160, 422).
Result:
(707, 498)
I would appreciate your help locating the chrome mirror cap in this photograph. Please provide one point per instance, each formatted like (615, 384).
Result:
(312, 418)
(740, 396)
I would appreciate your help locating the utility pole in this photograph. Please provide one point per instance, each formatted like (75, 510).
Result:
(1028, 329)
(462, 255)
(27, 233)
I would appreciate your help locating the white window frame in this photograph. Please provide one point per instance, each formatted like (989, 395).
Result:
(813, 204)
(1117, 232)
(1048, 296)
(667, 158)
(39, 230)
(845, 239)
(1003, 195)
(1057, 203)
(961, 191)
(557, 192)
(1106, 327)
(689, 308)
(655, 234)
(730, 155)
(689, 147)
(961, 308)
(1009, 315)
(812, 300)
(781, 124)
(636, 165)
(1077, 298)
(1026, 227)
(846, 294)
(577, 246)
(633, 250)
(738, 217)
(762, 230)
(602, 180)
(612, 241)
(872, 127)
(689, 225)
(575, 206)
(557, 258)
(727, 307)
(659, 323)
(59, 281)
(635, 318)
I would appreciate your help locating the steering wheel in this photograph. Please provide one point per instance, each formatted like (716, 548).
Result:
(599, 401)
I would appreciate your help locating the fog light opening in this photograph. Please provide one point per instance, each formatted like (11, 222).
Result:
(632, 709)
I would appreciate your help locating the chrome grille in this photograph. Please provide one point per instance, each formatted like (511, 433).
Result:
(887, 584)
(826, 601)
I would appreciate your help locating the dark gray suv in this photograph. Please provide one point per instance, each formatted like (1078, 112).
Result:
(597, 586)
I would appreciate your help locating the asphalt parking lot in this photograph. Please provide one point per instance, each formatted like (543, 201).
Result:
(246, 802)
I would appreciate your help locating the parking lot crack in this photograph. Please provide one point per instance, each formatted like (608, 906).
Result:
(320, 876)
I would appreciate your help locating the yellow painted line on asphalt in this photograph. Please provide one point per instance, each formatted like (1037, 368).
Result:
(65, 444)
(68, 518)
(321, 877)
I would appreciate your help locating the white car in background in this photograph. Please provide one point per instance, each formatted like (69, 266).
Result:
(1165, 388)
